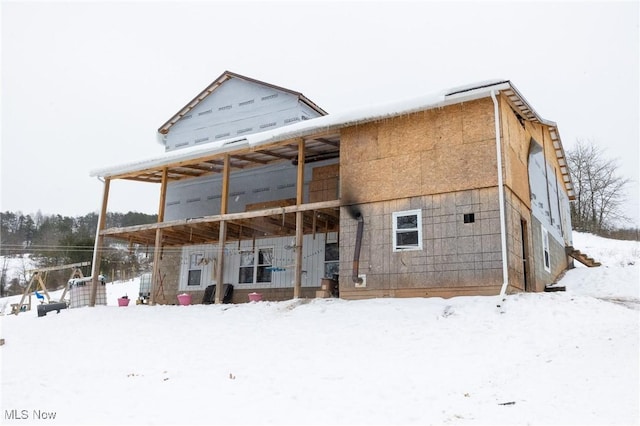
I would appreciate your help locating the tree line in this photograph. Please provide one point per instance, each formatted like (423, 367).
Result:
(600, 193)
(53, 240)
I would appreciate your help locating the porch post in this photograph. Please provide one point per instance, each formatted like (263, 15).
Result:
(97, 247)
(157, 252)
(222, 237)
(297, 285)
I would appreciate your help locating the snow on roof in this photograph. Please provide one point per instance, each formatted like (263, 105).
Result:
(317, 125)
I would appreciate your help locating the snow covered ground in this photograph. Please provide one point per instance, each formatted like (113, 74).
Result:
(546, 358)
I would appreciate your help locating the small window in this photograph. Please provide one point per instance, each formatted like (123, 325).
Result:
(194, 276)
(545, 250)
(407, 230)
(469, 217)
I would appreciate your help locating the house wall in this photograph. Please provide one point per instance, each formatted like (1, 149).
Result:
(236, 108)
(174, 266)
(201, 196)
(457, 258)
(559, 261)
(443, 162)
(532, 174)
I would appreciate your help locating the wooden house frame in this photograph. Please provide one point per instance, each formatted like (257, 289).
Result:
(464, 192)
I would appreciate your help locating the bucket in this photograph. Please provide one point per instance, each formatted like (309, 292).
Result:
(184, 299)
(255, 297)
(123, 301)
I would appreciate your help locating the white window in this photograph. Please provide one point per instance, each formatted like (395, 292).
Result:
(407, 230)
(255, 266)
(198, 267)
(194, 273)
(545, 250)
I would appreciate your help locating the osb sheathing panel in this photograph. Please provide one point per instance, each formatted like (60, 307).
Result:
(362, 144)
(434, 151)
(515, 142)
(473, 166)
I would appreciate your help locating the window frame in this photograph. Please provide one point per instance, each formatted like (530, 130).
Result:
(196, 260)
(546, 253)
(258, 266)
(395, 230)
(331, 265)
(195, 265)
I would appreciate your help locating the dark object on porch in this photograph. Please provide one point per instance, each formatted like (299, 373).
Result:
(210, 294)
(48, 307)
(330, 286)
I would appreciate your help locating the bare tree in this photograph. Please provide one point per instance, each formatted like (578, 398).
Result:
(599, 190)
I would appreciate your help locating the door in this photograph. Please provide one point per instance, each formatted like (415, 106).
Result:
(525, 254)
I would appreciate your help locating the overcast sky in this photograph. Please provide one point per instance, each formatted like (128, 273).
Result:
(85, 85)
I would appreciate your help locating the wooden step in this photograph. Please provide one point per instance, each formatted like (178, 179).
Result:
(581, 257)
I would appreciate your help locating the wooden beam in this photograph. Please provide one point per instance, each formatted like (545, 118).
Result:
(277, 155)
(99, 243)
(328, 142)
(224, 201)
(229, 217)
(297, 284)
(57, 268)
(157, 248)
(222, 237)
(220, 262)
(163, 195)
(250, 160)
